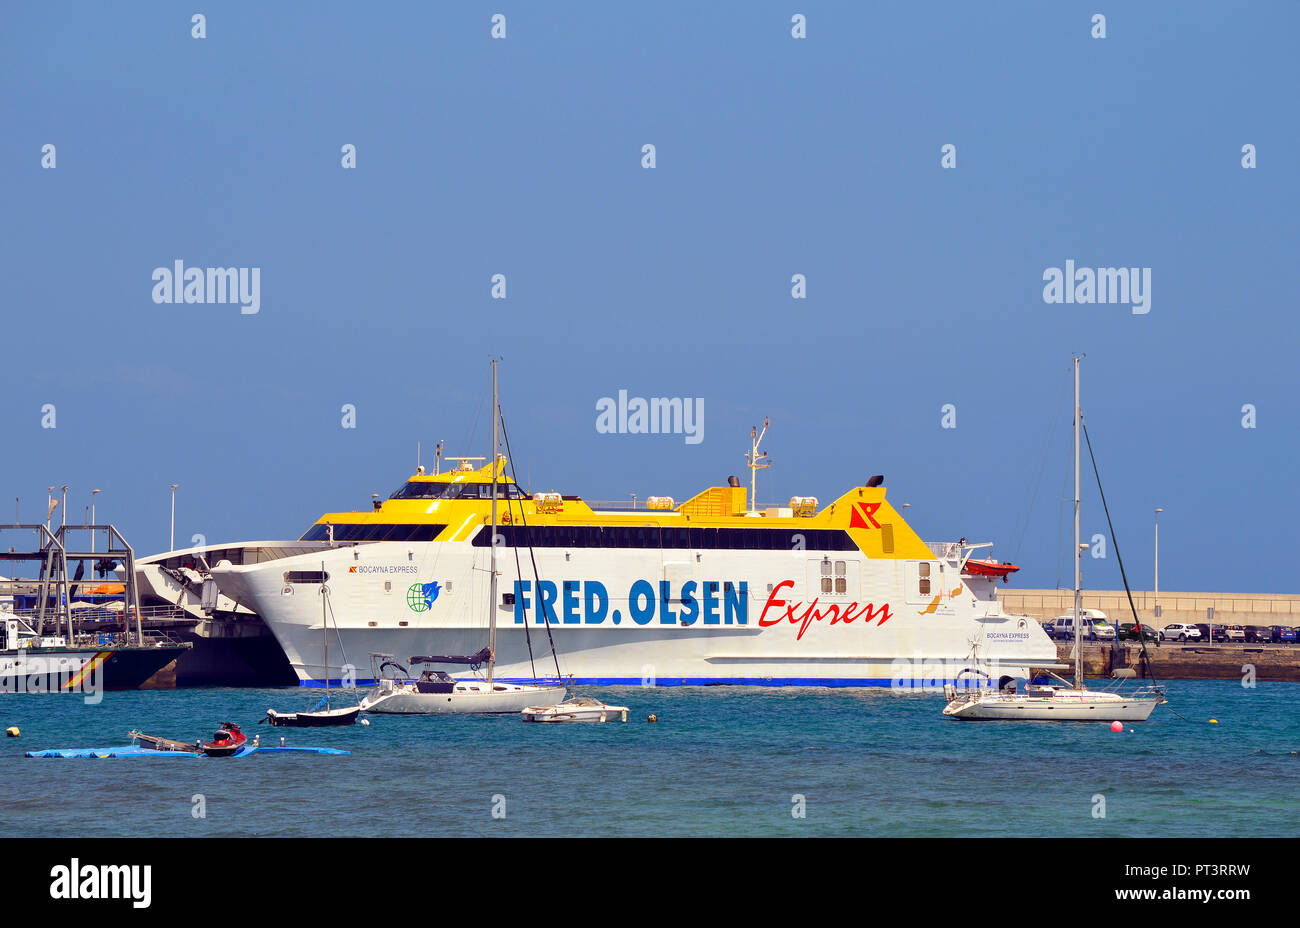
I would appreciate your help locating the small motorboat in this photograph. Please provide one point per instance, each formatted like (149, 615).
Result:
(577, 709)
(155, 743)
(226, 741)
(314, 719)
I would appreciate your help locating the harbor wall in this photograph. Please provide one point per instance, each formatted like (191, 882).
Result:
(1188, 662)
(1227, 608)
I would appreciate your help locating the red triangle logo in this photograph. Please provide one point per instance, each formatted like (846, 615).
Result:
(863, 515)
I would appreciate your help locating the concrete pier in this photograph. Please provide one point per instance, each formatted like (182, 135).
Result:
(1221, 608)
(1188, 662)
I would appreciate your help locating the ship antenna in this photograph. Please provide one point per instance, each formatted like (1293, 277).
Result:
(437, 455)
(755, 461)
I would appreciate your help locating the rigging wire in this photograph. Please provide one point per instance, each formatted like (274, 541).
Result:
(1060, 517)
(1137, 623)
(537, 581)
(1024, 530)
(329, 604)
(473, 429)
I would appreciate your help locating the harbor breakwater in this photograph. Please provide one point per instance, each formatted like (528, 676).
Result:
(1246, 662)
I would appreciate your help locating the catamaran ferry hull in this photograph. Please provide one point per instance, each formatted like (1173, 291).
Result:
(706, 591)
(625, 629)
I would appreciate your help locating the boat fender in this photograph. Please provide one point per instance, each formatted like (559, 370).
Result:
(624, 714)
(13, 732)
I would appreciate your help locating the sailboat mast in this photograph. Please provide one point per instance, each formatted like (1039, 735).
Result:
(1078, 551)
(492, 581)
(325, 634)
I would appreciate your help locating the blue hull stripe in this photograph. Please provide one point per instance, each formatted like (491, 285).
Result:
(874, 682)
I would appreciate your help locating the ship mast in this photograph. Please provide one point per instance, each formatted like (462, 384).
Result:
(755, 461)
(492, 581)
(1078, 550)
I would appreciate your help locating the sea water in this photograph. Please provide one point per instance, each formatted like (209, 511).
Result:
(719, 761)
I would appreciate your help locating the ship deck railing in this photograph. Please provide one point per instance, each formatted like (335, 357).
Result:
(955, 550)
(639, 506)
(96, 624)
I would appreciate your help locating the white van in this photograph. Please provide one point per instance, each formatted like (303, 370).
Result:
(1092, 625)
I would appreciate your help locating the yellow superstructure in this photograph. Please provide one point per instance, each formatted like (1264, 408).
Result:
(454, 505)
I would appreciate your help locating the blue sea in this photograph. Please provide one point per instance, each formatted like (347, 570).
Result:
(722, 761)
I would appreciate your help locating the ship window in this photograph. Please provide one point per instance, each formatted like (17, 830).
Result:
(429, 489)
(826, 576)
(305, 576)
(361, 531)
(923, 585)
(841, 582)
(676, 537)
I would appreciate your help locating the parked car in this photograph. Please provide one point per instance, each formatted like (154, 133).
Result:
(1258, 633)
(1092, 625)
(1128, 631)
(1280, 633)
(1234, 633)
(1177, 631)
(1212, 633)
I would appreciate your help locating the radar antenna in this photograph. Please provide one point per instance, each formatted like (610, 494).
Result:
(755, 460)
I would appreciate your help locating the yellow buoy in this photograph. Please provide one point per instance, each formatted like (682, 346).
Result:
(1214, 721)
(12, 731)
(652, 718)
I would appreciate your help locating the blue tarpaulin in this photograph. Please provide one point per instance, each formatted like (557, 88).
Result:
(130, 750)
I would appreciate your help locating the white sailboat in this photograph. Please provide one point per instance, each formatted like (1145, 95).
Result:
(435, 692)
(323, 714)
(1063, 700)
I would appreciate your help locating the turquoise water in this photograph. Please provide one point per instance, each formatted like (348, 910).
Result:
(721, 761)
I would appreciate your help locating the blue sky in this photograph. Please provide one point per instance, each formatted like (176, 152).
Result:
(775, 156)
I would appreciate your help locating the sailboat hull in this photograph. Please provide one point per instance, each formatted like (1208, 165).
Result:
(466, 699)
(322, 719)
(1087, 707)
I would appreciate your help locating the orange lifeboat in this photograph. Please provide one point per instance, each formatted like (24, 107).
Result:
(989, 569)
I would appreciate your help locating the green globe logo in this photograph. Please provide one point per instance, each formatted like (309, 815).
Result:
(420, 596)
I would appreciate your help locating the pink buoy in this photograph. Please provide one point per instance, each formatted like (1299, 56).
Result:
(1117, 726)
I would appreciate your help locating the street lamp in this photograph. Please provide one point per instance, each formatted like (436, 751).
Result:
(93, 493)
(49, 506)
(171, 545)
(63, 519)
(1158, 511)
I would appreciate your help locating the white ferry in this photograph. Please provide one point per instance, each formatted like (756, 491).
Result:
(706, 591)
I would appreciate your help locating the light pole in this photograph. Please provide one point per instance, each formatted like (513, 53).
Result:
(171, 544)
(63, 519)
(93, 493)
(1158, 511)
(49, 507)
